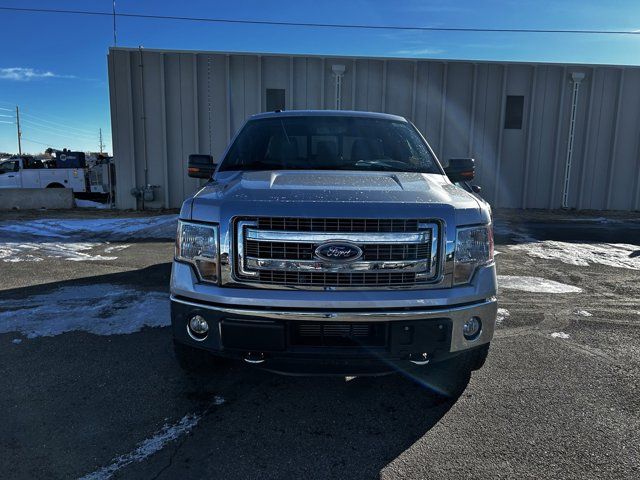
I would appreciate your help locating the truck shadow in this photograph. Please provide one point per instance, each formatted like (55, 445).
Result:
(101, 396)
(308, 427)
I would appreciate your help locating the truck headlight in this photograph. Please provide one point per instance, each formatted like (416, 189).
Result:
(474, 248)
(197, 244)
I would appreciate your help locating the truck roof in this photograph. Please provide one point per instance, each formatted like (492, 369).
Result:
(327, 113)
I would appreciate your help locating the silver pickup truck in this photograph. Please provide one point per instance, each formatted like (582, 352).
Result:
(333, 242)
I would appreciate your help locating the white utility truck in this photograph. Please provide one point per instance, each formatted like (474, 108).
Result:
(28, 172)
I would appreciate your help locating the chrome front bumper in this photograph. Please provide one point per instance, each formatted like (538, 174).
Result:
(485, 310)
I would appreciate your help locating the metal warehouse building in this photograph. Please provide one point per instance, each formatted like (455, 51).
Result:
(543, 135)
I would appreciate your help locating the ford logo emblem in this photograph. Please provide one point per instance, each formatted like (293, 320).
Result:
(338, 252)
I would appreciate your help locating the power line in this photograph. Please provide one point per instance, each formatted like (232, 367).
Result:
(58, 124)
(39, 143)
(56, 131)
(323, 25)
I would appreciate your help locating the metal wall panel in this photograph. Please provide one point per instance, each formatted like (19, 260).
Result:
(168, 104)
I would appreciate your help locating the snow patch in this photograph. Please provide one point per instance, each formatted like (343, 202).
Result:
(116, 248)
(503, 314)
(80, 203)
(36, 252)
(617, 255)
(16, 341)
(161, 227)
(535, 284)
(583, 313)
(99, 309)
(146, 448)
(561, 335)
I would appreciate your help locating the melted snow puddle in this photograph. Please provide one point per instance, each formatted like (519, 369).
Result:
(535, 284)
(146, 448)
(98, 309)
(503, 314)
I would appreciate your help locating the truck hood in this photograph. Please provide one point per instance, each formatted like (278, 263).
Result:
(333, 194)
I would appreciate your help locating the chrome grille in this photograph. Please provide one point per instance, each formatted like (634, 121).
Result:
(282, 252)
(304, 251)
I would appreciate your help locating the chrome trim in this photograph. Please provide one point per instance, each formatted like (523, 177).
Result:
(319, 237)
(242, 224)
(193, 337)
(486, 310)
(322, 266)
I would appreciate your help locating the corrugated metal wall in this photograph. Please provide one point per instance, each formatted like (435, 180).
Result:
(166, 105)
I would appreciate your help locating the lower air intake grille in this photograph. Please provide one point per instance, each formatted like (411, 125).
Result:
(312, 334)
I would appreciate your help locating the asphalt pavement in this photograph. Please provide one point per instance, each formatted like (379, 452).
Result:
(559, 396)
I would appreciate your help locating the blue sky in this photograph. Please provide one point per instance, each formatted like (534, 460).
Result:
(54, 66)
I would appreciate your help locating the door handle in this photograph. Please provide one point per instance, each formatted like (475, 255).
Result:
(10, 176)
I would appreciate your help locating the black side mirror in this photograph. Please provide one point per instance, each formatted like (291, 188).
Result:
(461, 169)
(201, 166)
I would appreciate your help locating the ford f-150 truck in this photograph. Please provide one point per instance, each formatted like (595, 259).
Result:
(333, 242)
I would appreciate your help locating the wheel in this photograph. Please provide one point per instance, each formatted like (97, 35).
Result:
(449, 378)
(193, 360)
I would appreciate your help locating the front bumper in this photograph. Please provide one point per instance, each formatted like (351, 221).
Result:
(267, 334)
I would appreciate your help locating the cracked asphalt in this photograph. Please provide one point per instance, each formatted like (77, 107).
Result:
(542, 406)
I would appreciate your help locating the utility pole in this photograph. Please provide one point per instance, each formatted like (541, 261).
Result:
(101, 144)
(19, 131)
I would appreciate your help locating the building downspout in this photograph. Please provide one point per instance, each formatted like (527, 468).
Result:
(577, 78)
(143, 117)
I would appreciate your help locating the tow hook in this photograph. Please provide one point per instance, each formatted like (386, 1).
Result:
(419, 359)
(254, 357)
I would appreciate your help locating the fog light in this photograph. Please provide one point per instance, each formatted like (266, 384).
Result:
(471, 328)
(198, 327)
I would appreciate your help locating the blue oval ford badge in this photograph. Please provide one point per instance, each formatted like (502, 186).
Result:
(338, 251)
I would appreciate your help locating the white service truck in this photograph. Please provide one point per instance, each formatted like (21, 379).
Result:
(27, 172)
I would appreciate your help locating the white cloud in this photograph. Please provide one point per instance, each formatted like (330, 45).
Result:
(419, 51)
(22, 74)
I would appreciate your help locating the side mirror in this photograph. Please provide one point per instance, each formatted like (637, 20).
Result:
(461, 169)
(201, 166)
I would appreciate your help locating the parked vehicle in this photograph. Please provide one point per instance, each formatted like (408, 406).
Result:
(27, 172)
(334, 242)
(66, 170)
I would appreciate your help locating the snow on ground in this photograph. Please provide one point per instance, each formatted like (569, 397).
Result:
(146, 448)
(503, 314)
(583, 313)
(80, 203)
(36, 252)
(535, 284)
(619, 255)
(157, 227)
(99, 309)
(561, 335)
(583, 254)
(78, 239)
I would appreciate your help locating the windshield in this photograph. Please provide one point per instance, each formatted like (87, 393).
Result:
(329, 143)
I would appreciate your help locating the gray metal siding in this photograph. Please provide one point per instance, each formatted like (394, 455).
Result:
(166, 105)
